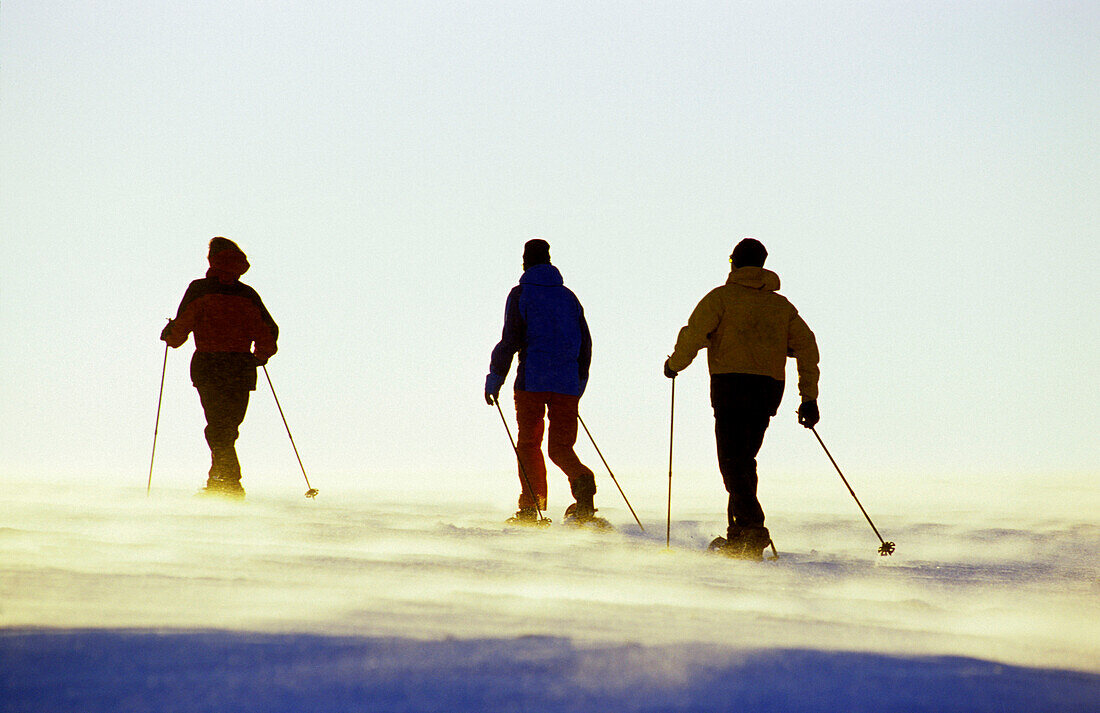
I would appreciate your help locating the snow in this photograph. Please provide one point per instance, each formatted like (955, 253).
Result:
(110, 601)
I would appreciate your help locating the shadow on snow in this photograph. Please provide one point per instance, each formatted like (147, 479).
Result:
(113, 670)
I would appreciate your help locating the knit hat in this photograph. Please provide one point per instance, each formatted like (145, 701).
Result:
(749, 252)
(536, 252)
(227, 258)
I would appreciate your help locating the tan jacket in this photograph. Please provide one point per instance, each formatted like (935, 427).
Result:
(749, 328)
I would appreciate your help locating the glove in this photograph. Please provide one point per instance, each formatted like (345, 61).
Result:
(808, 415)
(668, 371)
(260, 361)
(164, 332)
(492, 387)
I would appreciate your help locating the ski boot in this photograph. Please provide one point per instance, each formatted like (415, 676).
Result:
(584, 515)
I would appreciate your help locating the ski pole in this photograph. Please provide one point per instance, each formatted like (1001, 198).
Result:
(609, 472)
(311, 492)
(671, 425)
(887, 548)
(522, 470)
(156, 426)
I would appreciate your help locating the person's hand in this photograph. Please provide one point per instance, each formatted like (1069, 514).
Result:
(808, 414)
(164, 332)
(668, 371)
(260, 361)
(492, 388)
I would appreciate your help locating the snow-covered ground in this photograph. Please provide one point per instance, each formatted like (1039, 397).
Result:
(113, 601)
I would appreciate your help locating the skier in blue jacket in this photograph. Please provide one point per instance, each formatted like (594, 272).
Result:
(544, 322)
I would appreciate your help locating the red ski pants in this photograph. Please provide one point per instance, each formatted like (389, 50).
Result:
(531, 408)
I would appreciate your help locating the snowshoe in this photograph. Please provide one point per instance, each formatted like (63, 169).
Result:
(585, 516)
(722, 546)
(528, 517)
(746, 543)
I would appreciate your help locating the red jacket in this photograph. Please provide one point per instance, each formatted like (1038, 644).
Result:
(225, 314)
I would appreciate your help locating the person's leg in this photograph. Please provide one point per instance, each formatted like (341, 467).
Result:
(224, 381)
(743, 407)
(738, 440)
(225, 410)
(563, 436)
(530, 410)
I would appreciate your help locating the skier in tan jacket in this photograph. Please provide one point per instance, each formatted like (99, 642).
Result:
(748, 330)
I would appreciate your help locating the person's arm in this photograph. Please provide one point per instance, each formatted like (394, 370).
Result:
(584, 360)
(267, 333)
(696, 334)
(802, 345)
(512, 338)
(175, 333)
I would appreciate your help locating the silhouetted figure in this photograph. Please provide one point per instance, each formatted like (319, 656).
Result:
(748, 330)
(228, 318)
(544, 322)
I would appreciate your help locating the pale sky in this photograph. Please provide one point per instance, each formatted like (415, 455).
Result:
(924, 176)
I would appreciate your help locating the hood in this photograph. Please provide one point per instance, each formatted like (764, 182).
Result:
(544, 274)
(754, 278)
(227, 265)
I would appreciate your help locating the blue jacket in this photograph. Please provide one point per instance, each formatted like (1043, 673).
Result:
(544, 322)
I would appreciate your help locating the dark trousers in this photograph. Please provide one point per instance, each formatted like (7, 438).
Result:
(743, 407)
(532, 407)
(224, 381)
(224, 409)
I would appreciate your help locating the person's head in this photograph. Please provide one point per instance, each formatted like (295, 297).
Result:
(536, 252)
(749, 252)
(220, 244)
(226, 257)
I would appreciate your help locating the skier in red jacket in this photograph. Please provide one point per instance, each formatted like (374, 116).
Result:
(234, 334)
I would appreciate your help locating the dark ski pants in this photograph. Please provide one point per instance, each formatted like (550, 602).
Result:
(743, 407)
(224, 409)
(531, 408)
(224, 381)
